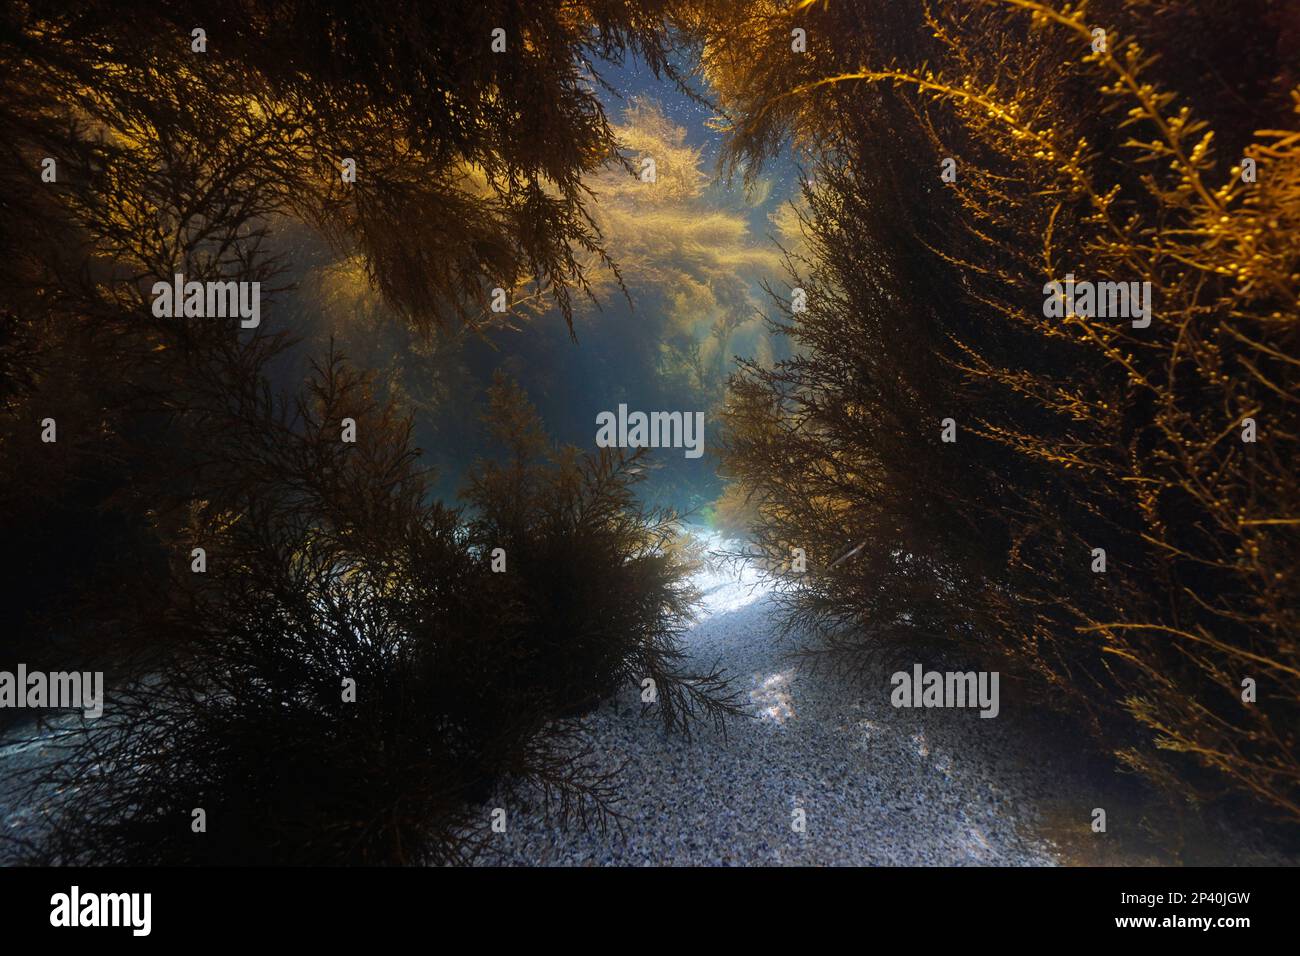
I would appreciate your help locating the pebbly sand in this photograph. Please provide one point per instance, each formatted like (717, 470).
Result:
(878, 785)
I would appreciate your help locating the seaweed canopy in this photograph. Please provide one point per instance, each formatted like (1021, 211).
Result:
(136, 153)
(1109, 504)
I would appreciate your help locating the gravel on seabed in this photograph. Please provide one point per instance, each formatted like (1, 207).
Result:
(877, 785)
